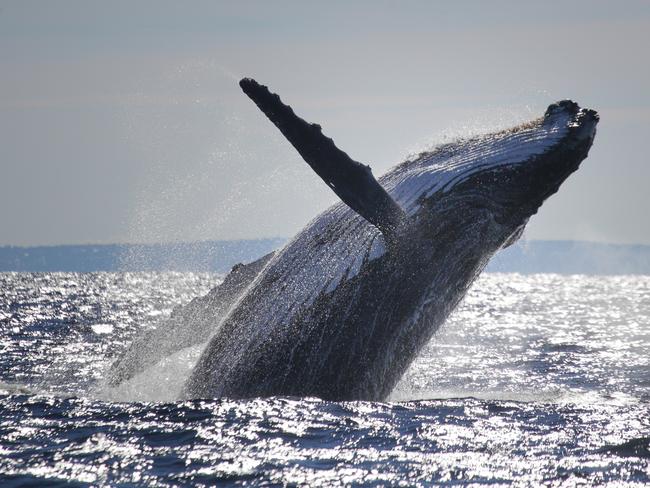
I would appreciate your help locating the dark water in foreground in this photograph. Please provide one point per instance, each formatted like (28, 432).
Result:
(536, 380)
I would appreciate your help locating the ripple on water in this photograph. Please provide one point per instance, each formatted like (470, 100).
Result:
(535, 380)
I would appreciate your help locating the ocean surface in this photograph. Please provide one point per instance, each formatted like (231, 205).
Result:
(535, 380)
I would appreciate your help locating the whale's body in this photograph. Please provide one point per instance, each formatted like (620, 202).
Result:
(343, 309)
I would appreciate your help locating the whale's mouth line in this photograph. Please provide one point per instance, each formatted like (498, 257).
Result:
(548, 169)
(582, 131)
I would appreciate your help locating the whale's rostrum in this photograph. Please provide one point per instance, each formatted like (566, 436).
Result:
(342, 310)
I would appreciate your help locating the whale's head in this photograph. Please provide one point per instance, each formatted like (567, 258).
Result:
(494, 183)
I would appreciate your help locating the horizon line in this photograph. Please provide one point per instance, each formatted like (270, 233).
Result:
(273, 238)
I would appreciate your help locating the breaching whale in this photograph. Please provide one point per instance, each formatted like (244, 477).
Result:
(343, 309)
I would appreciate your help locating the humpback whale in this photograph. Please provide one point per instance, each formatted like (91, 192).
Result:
(343, 309)
(345, 306)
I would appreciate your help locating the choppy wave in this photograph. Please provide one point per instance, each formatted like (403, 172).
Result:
(540, 379)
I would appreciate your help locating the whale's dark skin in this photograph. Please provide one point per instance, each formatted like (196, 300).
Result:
(343, 309)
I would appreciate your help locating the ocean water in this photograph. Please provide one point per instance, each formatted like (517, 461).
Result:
(535, 380)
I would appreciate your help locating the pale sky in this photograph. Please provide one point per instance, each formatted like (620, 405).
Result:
(122, 121)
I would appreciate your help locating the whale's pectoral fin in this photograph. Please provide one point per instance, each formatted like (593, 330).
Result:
(353, 182)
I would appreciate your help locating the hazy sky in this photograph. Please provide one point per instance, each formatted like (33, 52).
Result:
(123, 121)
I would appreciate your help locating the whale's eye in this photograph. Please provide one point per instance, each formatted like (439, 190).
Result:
(562, 106)
(551, 110)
